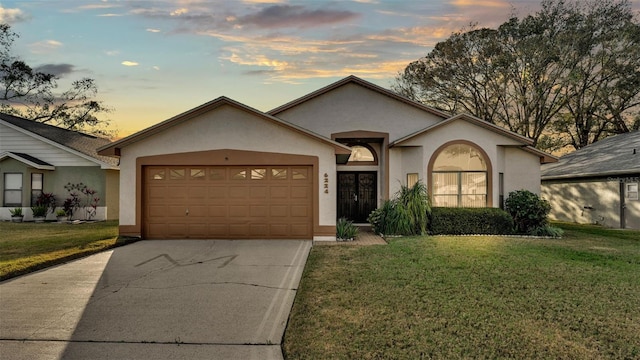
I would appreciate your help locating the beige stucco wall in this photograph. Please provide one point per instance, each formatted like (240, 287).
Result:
(227, 127)
(569, 198)
(352, 107)
(521, 171)
(521, 168)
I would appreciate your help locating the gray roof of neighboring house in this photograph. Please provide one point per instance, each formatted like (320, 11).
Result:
(614, 155)
(83, 143)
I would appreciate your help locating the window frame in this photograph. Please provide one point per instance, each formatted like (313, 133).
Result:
(488, 178)
(365, 163)
(35, 193)
(5, 189)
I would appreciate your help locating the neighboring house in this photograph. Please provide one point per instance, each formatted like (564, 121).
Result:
(225, 170)
(597, 184)
(37, 158)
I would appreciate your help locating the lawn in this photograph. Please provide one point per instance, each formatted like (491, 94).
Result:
(472, 297)
(27, 246)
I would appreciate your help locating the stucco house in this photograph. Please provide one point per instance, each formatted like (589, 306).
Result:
(226, 170)
(38, 158)
(597, 184)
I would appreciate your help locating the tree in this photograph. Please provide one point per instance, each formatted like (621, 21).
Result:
(29, 93)
(566, 75)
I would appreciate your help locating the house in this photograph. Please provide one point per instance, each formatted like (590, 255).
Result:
(597, 184)
(226, 170)
(38, 158)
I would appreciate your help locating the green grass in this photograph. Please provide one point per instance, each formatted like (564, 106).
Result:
(472, 297)
(25, 247)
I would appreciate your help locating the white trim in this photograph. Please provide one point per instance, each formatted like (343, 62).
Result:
(7, 154)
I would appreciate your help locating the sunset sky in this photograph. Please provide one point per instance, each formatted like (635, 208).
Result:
(155, 59)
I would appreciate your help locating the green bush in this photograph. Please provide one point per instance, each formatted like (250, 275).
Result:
(550, 231)
(528, 211)
(406, 214)
(345, 230)
(466, 221)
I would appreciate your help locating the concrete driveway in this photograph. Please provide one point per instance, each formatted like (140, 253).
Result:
(168, 299)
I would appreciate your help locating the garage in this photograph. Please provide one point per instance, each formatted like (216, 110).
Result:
(227, 202)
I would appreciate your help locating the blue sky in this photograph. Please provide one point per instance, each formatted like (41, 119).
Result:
(155, 59)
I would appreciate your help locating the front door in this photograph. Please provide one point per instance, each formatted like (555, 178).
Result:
(356, 195)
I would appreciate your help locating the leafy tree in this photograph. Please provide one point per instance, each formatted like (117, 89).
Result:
(29, 93)
(566, 75)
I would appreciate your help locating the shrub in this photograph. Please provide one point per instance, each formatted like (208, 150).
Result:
(528, 211)
(466, 221)
(39, 210)
(345, 230)
(406, 214)
(550, 231)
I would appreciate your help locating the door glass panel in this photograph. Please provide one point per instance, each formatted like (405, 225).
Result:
(258, 174)
(239, 174)
(299, 174)
(197, 174)
(176, 174)
(279, 174)
(157, 174)
(217, 174)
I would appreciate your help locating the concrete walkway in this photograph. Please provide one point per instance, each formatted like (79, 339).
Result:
(365, 237)
(178, 299)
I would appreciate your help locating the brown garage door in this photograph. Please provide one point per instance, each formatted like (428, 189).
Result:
(218, 202)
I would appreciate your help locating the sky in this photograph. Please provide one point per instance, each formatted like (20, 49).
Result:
(155, 59)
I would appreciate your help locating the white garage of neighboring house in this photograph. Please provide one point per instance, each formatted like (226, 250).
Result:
(225, 170)
(597, 184)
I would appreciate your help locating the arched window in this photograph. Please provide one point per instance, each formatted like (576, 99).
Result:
(362, 154)
(459, 176)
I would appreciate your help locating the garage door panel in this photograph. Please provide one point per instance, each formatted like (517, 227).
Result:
(228, 202)
(279, 211)
(261, 211)
(218, 211)
(300, 192)
(300, 230)
(299, 211)
(218, 192)
(279, 192)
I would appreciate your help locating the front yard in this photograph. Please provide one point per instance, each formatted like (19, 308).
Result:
(472, 297)
(27, 246)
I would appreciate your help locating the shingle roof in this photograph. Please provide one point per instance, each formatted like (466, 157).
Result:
(32, 159)
(83, 143)
(614, 155)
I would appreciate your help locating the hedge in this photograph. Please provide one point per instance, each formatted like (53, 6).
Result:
(467, 221)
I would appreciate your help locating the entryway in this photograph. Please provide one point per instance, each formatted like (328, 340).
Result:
(357, 194)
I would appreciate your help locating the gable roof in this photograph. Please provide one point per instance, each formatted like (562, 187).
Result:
(81, 144)
(358, 81)
(113, 149)
(614, 155)
(473, 120)
(27, 159)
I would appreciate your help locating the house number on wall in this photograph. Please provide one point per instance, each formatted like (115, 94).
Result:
(326, 183)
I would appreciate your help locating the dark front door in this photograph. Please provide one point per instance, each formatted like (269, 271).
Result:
(356, 195)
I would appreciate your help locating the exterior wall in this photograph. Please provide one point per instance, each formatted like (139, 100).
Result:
(352, 107)
(54, 182)
(522, 169)
(590, 201)
(112, 194)
(15, 141)
(227, 127)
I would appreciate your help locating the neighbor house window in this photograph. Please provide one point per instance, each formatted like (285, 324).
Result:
(412, 179)
(12, 189)
(632, 191)
(36, 187)
(459, 177)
